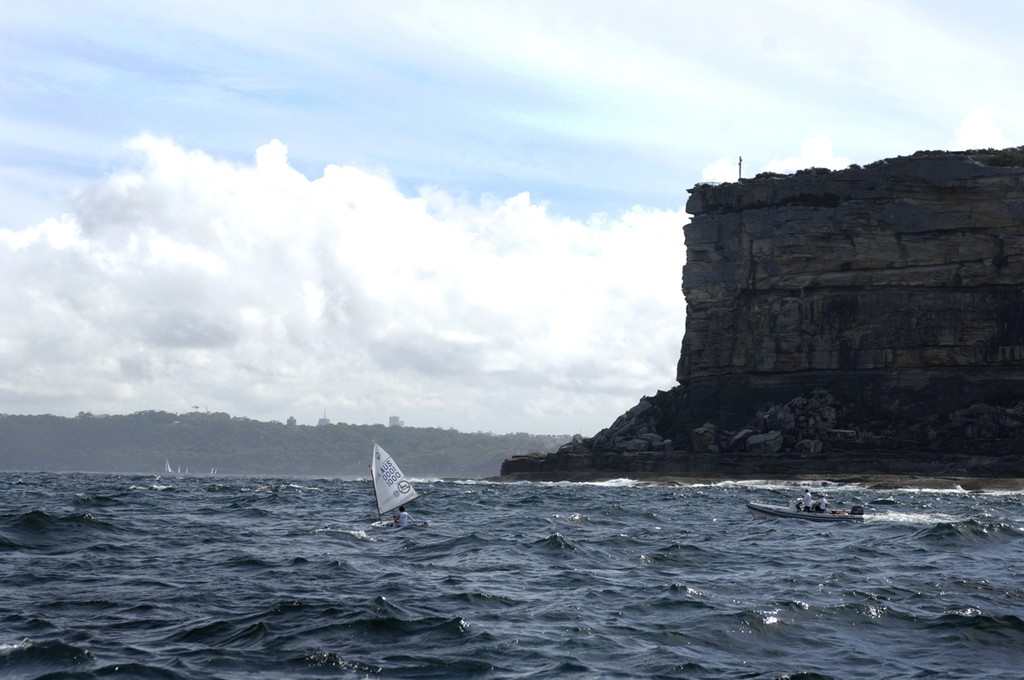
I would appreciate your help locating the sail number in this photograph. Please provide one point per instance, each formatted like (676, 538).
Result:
(389, 473)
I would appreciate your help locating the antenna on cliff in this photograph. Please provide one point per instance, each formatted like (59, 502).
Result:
(741, 167)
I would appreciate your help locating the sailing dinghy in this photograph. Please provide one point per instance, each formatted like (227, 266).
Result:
(391, 489)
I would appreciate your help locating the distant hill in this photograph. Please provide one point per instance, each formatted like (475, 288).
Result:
(201, 442)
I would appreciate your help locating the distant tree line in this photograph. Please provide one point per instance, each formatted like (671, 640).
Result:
(145, 442)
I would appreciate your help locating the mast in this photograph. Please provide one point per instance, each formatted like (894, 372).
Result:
(373, 480)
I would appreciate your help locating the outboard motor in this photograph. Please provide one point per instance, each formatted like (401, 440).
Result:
(857, 510)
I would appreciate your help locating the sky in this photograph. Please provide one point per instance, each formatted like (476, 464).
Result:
(467, 215)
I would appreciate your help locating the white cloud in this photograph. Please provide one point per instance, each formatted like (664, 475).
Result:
(979, 130)
(816, 152)
(725, 169)
(253, 290)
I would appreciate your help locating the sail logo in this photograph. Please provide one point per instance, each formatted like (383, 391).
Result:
(404, 487)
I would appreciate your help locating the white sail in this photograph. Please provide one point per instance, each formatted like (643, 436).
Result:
(389, 484)
(167, 466)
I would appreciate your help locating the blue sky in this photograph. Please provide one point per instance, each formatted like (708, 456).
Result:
(465, 214)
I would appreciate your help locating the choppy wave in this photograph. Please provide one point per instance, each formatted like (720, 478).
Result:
(243, 578)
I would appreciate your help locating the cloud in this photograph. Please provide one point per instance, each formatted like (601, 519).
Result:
(816, 152)
(978, 130)
(180, 279)
(725, 169)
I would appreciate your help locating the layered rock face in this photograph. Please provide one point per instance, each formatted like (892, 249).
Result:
(891, 294)
(900, 286)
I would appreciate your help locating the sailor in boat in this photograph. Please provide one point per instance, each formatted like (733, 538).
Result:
(821, 503)
(403, 518)
(806, 503)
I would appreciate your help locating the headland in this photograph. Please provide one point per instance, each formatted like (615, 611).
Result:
(867, 322)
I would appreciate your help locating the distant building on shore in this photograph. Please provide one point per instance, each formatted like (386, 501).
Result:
(395, 421)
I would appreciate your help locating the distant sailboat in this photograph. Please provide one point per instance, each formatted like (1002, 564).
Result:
(167, 466)
(390, 487)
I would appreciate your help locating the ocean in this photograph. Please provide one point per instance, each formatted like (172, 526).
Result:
(242, 578)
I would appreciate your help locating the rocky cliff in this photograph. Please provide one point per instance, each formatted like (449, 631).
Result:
(834, 316)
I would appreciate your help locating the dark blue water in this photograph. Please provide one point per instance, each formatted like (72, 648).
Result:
(238, 578)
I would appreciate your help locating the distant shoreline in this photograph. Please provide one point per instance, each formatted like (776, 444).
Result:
(976, 484)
